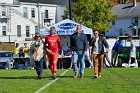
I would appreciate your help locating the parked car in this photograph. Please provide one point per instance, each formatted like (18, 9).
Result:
(6, 60)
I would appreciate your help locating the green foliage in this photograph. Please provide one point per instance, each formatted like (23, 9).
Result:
(96, 14)
(66, 13)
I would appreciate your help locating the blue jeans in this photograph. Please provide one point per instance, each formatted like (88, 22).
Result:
(39, 66)
(91, 63)
(78, 55)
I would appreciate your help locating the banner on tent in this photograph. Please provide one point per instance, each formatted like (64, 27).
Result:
(60, 32)
(65, 32)
(66, 27)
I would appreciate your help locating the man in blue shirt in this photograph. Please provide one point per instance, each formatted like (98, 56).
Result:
(79, 46)
(115, 51)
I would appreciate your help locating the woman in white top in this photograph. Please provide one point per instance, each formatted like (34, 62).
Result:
(38, 53)
(132, 52)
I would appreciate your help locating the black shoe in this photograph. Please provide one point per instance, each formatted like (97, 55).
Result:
(54, 77)
(38, 77)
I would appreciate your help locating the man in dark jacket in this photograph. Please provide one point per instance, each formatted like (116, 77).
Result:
(98, 43)
(79, 46)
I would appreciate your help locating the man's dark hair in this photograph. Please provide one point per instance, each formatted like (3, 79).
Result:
(95, 30)
(52, 27)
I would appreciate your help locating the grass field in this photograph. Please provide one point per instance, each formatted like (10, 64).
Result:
(114, 80)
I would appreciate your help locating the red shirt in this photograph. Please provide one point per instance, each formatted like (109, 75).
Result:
(53, 43)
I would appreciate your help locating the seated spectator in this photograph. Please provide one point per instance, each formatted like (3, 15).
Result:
(16, 50)
(16, 55)
(26, 55)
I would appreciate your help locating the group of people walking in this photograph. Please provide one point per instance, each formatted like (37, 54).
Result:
(50, 47)
(79, 45)
(48, 51)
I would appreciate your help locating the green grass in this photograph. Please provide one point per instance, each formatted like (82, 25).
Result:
(116, 80)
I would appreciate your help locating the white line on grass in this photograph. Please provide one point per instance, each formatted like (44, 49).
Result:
(48, 84)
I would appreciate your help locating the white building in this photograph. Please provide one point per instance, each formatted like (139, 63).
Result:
(128, 20)
(21, 19)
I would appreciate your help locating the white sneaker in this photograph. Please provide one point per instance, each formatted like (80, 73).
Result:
(95, 76)
(136, 67)
(32, 68)
(127, 65)
(99, 76)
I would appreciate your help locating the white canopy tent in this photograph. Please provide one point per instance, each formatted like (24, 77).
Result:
(66, 27)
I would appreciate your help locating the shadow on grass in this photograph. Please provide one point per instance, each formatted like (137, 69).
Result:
(89, 77)
(49, 77)
(24, 77)
(65, 76)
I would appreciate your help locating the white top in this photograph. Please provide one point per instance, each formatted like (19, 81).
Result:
(96, 45)
(37, 49)
(133, 48)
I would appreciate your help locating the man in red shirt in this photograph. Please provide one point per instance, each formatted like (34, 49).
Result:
(52, 43)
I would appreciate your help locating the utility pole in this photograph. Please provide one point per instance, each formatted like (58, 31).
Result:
(134, 3)
(9, 39)
(70, 9)
(38, 15)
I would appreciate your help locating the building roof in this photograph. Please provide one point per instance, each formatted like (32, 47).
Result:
(126, 10)
(57, 2)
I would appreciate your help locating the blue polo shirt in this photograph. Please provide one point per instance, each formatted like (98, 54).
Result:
(79, 42)
(116, 45)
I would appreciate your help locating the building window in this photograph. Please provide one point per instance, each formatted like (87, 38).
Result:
(4, 30)
(133, 31)
(25, 12)
(36, 29)
(27, 31)
(16, 2)
(113, 22)
(139, 31)
(136, 20)
(19, 30)
(46, 14)
(3, 9)
(33, 12)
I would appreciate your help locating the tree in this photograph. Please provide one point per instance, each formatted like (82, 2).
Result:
(96, 14)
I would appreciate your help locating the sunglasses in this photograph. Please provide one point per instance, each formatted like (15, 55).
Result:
(95, 33)
(38, 36)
